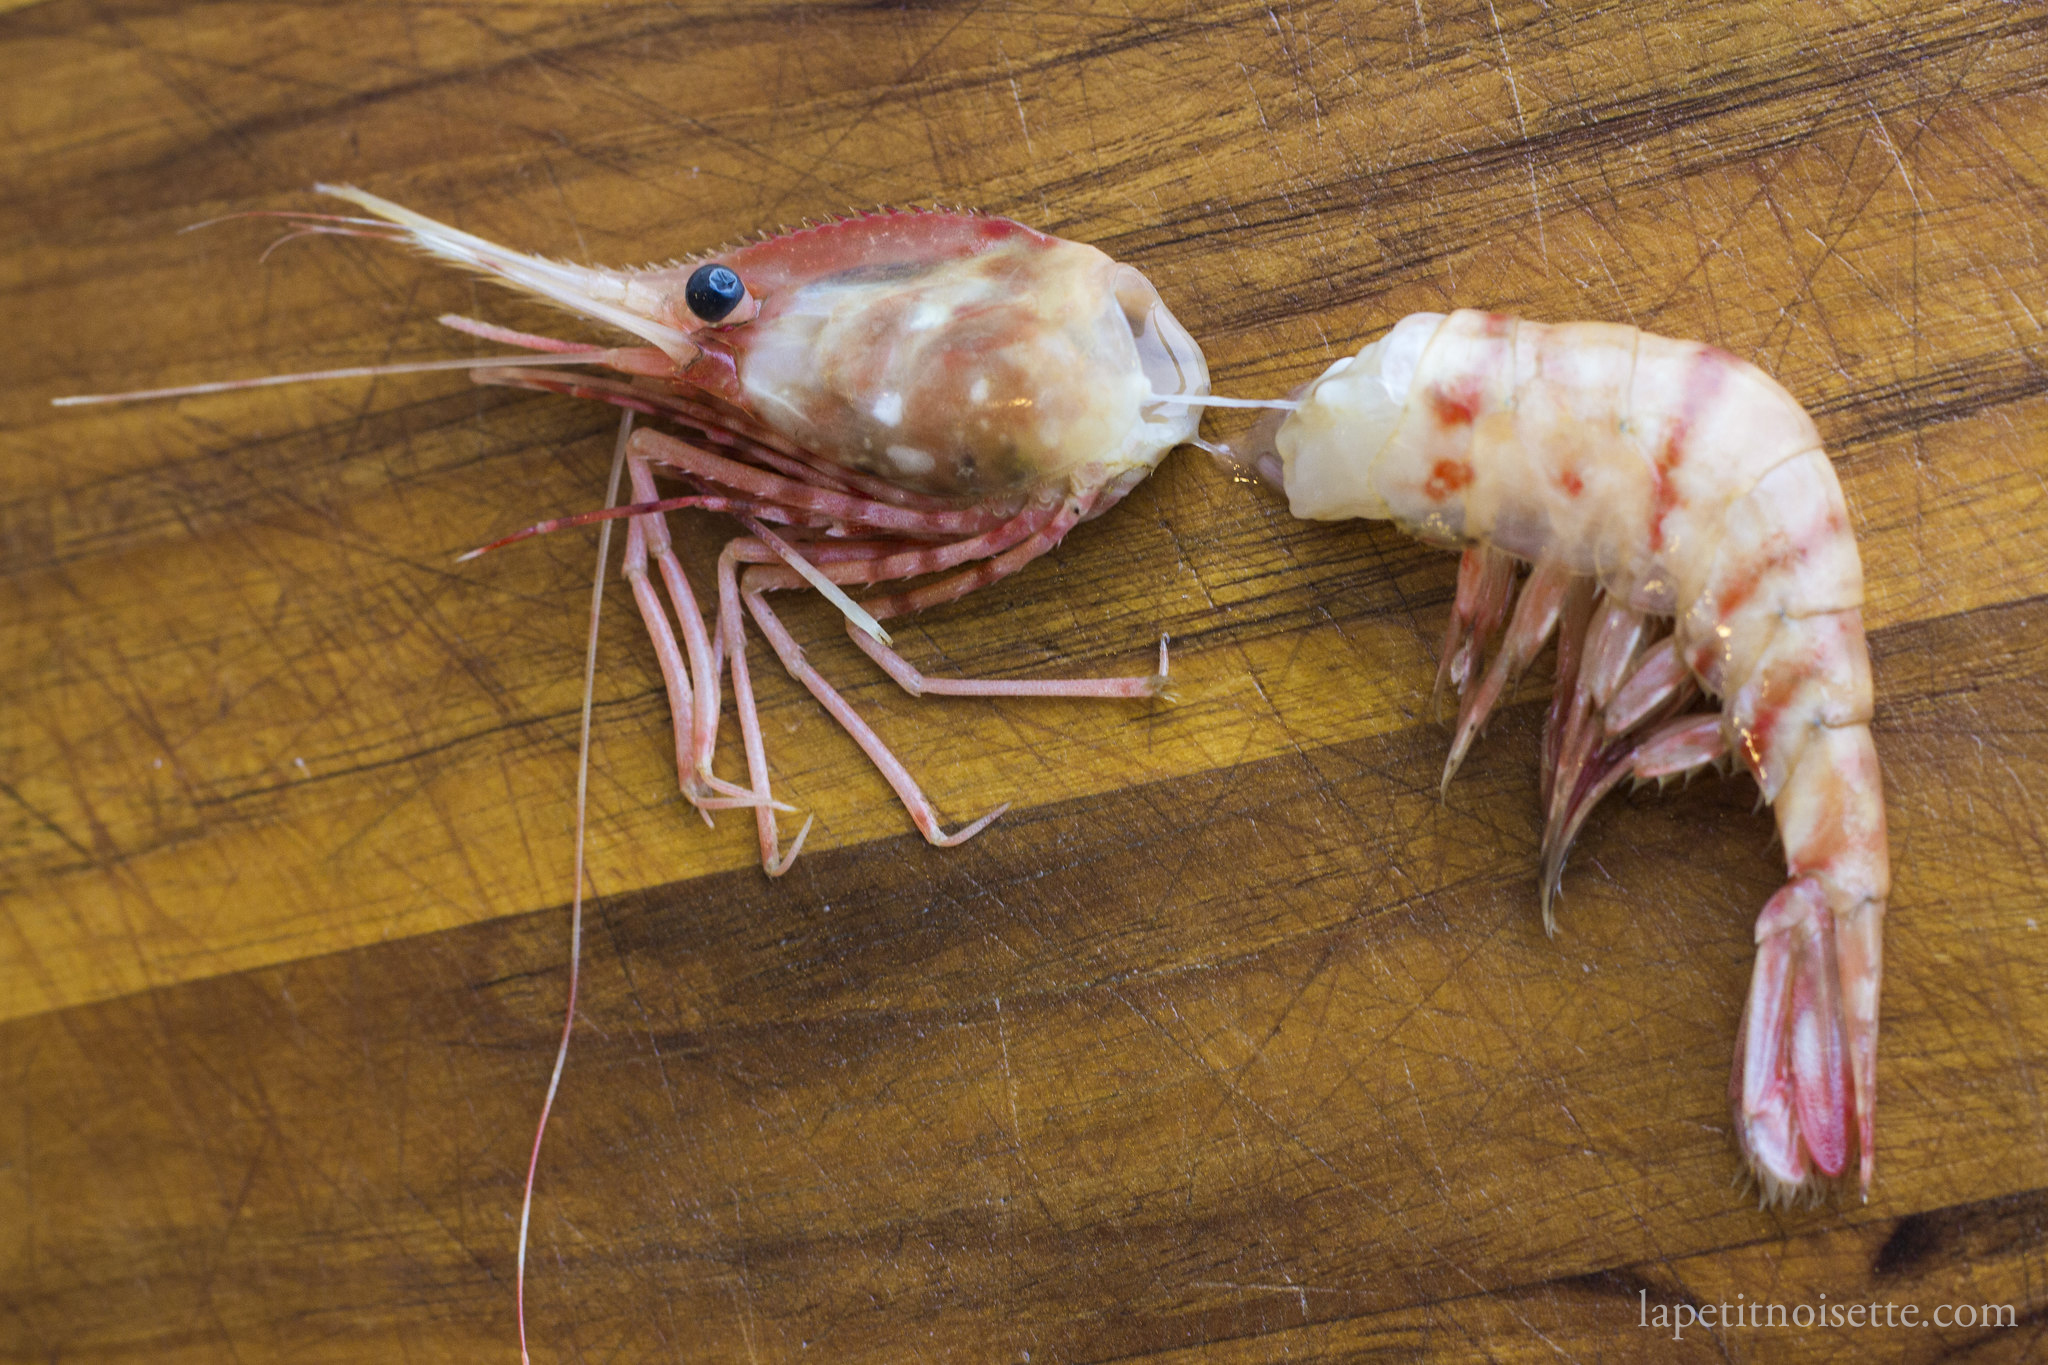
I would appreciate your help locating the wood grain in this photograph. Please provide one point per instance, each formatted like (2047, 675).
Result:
(1230, 1042)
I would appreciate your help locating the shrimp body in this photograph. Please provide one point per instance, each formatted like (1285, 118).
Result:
(955, 354)
(907, 394)
(1647, 479)
(936, 397)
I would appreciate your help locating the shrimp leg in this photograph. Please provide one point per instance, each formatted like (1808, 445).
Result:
(921, 684)
(1049, 527)
(693, 690)
(1678, 747)
(990, 556)
(732, 637)
(759, 580)
(1486, 588)
(1536, 613)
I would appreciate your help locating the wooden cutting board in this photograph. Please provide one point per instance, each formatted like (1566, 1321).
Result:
(1230, 1041)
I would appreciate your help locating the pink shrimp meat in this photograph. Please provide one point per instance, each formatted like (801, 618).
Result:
(1650, 481)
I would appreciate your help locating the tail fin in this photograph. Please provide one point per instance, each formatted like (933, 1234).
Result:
(1791, 1090)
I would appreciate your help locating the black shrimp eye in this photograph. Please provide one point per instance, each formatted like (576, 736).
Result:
(713, 292)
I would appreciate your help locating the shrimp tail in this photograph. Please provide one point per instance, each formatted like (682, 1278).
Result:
(1791, 1089)
(1625, 708)
(1689, 545)
(1803, 1087)
(1802, 1090)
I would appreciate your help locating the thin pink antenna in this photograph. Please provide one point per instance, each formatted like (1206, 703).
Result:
(709, 501)
(604, 549)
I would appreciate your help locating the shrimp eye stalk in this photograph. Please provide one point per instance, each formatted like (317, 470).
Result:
(717, 295)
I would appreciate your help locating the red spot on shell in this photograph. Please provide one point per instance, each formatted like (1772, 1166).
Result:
(1756, 740)
(1741, 586)
(1447, 477)
(1571, 483)
(1454, 407)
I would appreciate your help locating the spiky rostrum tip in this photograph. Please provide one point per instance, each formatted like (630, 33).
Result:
(591, 293)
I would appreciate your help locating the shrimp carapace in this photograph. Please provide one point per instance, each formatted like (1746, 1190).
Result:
(912, 394)
(1686, 537)
(953, 354)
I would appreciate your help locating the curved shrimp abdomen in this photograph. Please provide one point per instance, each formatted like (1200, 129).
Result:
(1649, 478)
(1608, 449)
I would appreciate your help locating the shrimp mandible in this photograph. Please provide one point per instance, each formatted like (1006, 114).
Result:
(1648, 480)
(908, 394)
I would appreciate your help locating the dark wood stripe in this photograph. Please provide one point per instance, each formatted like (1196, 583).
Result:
(1093, 1085)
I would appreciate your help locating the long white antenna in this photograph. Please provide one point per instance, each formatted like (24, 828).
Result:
(350, 372)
